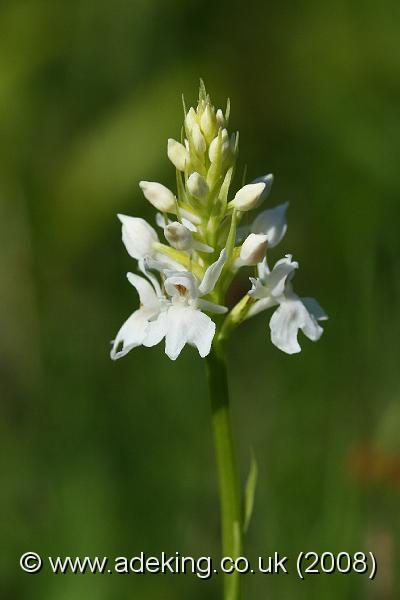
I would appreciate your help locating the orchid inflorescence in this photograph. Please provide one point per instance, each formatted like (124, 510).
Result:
(188, 277)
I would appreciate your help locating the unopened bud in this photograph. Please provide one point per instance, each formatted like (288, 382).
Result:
(248, 197)
(190, 119)
(253, 249)
(177, 154)
(158, 195)
(220, 118)
(199, 142)
(218, 141)
(178, 236)
(197, 186)
(208, 123)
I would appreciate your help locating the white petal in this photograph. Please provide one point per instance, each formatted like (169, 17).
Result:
(285, 324)
(147, 295)
(131, 334)
(190, 216)
(261, 305)
(161, 221)
(272, 223)
(138, 236)
(212, 274)
(258, 290)
(276, 280)
(145, 266)
(189, 224)
(156, 330)
(160, 262)
(263, 269)
(272, 283)
(188, 325)
(211, 307)
(286, 321)
(202, 247)
(201, 332)
(179, 236)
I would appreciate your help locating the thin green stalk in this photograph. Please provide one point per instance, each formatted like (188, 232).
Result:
(229, 490)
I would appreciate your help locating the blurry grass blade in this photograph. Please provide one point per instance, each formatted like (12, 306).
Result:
(249, 493)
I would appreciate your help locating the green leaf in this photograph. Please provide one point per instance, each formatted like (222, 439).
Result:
(249, 493)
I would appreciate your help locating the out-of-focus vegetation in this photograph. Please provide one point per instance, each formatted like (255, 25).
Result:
(111, 459)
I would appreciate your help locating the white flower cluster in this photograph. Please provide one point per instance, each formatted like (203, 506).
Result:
(187, 277)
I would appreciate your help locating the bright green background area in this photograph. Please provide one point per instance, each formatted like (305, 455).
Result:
(102, 458)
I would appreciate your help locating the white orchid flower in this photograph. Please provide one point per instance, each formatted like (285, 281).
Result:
(183, 321)
(270, 285)
(273, 288)
(133, 331)
(203, 216)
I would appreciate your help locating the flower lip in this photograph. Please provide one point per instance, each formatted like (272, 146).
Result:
(182, 290)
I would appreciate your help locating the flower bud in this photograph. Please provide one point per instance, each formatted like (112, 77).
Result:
(190, 119)
(198, 140)
(177, 154)
(197, 186)
(214, 146)
(208, 123)
(158, 195)
(220, 118)
(253, 249)
(248, 197)
(178, 236)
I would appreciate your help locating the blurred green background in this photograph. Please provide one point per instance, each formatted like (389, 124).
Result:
(103, 458)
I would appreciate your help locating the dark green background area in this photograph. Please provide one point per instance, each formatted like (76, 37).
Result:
(103, 458)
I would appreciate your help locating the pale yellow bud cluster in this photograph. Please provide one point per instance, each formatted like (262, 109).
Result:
(205, 212)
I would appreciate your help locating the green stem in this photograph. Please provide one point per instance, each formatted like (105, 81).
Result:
(229, 490)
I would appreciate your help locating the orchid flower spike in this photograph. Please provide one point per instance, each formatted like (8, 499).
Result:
(186, 274)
